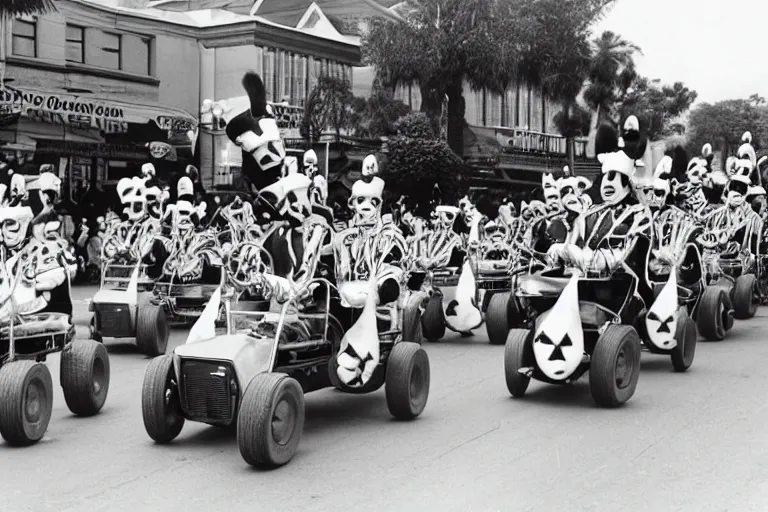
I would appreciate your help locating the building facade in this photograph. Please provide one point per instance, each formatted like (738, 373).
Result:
(91, 85)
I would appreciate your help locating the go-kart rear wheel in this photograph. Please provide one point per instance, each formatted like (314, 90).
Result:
(615, 366)
(85, 376)
(271, 420)
(26, 402)
(412, 329)
(432, 321)
(160, 406)
(514, 359)
(407, 381)
(497, 318)
(151, 329)
(745, 297)
(686, 337)
(712, 312)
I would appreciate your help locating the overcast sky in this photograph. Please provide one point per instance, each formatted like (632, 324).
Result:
(716, 47)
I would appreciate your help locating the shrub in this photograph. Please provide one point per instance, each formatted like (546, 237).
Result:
(413, 167)
(415, 125)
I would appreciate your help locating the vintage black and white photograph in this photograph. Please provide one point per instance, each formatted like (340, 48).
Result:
(383, 256)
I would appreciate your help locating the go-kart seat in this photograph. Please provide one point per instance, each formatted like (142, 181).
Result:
(547, 283)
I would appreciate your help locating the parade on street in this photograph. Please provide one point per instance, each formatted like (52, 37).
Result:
(374, 255)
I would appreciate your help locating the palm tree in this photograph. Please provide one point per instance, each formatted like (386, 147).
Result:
(611, 72)
(9, 9)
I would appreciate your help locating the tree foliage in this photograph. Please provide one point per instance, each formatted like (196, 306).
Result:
(657, 105)
(722, 124)
(376, 115)
(486, 43)
(414, 164)
(611, 73)
(329, 105)
(577, 124)
(24, 7)
(415, 125)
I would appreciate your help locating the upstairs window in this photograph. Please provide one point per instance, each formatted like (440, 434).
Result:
(111, 51)
(75, 50)
(24, 37)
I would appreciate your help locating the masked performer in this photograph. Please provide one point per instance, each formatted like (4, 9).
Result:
(255, 131)
(368, 276)
(598, 241)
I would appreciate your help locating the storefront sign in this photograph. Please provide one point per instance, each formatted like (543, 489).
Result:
(88, 112)
(84, 149)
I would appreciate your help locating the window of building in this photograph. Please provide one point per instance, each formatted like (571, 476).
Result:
(269, 73)
(301, 81)
(287, 77)
(75, 50)
(24, 37)
(147, 49)
(111, 51)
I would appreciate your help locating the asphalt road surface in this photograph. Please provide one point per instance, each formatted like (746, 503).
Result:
(696, 441)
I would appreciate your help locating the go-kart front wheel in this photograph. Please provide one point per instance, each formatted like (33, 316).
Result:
(745, 297)
(85, 376)
(615, 366)
(160, 406)
(497, 318)
(713, 313)
(514, 359)
(26, 402)
(271, 420)
(407, 380)
(686, 337)
(151, 329)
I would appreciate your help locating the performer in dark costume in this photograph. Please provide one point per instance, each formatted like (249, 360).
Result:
(255, 132)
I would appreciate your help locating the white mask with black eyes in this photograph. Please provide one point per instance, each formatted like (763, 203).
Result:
(446, 216)
(614, 187)
(366, 201)
(569, 197)
(370, 166)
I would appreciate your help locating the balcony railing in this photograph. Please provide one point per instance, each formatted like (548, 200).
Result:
(516, 140)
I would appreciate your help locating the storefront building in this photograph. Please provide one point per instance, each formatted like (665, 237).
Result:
(92, 85)
(90, 96)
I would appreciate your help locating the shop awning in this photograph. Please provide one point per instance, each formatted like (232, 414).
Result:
(91, 112)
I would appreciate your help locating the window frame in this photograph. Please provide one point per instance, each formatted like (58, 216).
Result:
(26, 21)
(67, 40)
(119, 49)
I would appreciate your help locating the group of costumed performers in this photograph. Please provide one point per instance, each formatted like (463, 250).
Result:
(287, 235)
(38, 263)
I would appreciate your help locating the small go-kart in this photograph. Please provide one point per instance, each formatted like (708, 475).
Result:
(125, 307)
(733, 291)
(273, 352)
(581, 320)
(27, 337)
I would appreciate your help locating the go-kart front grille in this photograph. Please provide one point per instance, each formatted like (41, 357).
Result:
(499, 284)
(113, 320)
(209, 391)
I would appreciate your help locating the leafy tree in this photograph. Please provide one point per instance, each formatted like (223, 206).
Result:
(9, 9)
(577, 124)
(329, 105)
(488, 43)
(657, 105)
(415, 125)
(611, 73)
(376, 115)
(415, 163)
(722, 124)
(757, 100)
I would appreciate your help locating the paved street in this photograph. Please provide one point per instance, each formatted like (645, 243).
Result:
(694, 441)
